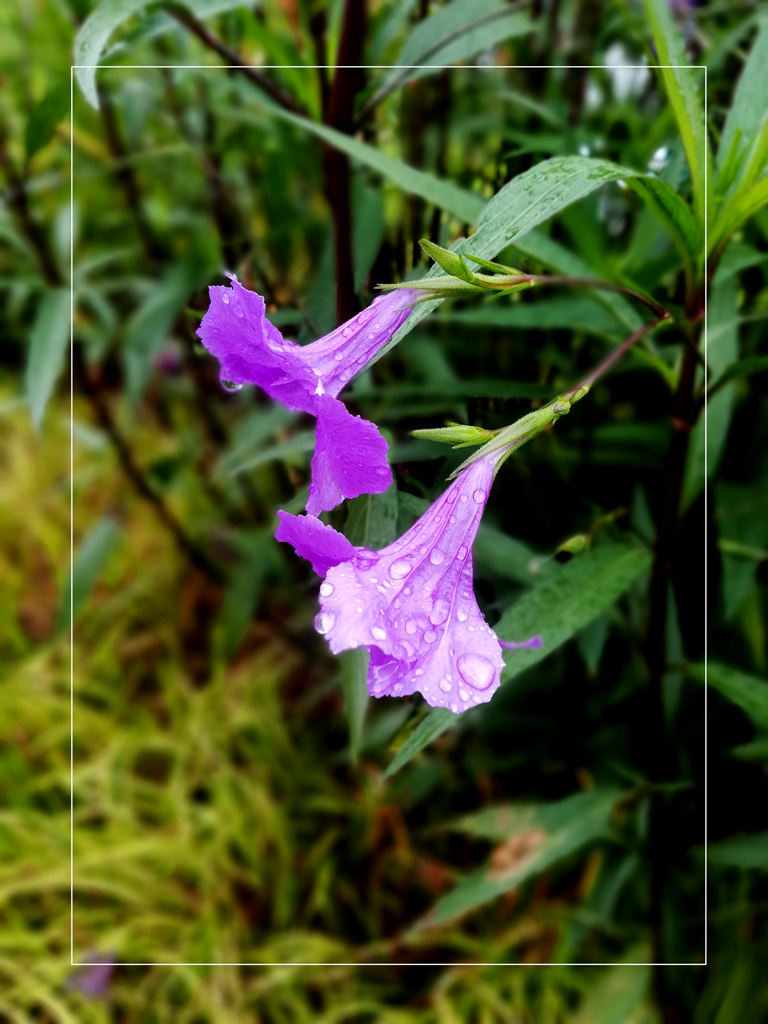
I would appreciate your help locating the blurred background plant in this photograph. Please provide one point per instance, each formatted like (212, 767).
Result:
(235, 800)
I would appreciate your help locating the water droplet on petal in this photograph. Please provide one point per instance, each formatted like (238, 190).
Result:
(462, 551)
(399, 569)
(479, 496)
(461, 615)
(225, 298)
(463, 497)
(430, 636)
(463, 694)
(439, 613)
(436, 556)
(347, 331)
(476, 670)
(411, 626)
(452, 520)
(378, 633)
(445, 686)
(338, 356)
(326, 589)
(239, 311)
(324, 621)
(419, 672)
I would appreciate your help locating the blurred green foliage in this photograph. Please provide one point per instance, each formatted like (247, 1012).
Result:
(235, 798)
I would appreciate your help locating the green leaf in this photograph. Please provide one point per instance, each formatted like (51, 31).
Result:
(107, 17)
(616, 995)
(521, 205)
(302, 442)
(749, 692)
(148, 328)
(372, 523)
(678, 218)
(708, 437)
(742, 368)
(354, 673)
(537, 836)
(47, 348)
(570, 597)
(372, 519)
(455, 32)
(90, 557)
(681, 84)
(437, 721)
(93, 37)
(43, 120)
(749, 851)
(750, 100)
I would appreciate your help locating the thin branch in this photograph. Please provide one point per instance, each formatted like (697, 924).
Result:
(196, 555)
(613, 357)
(252, 74)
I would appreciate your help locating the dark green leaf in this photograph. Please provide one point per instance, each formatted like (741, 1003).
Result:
(90, 557)
(550, 833)
(570, 597)
(749, 692)
(46, 116)
(437, 721)
(47, 348)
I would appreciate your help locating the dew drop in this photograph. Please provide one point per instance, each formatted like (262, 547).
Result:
(399, 569)
(445, 686)
(439, 613)
(430, 636)
(231, 385)
(476, 670)
(347, 331)
(462, 551)
(225, 298)
(436, 556)
(463, 694)
(419, 672)
(479, 496)
(324, 621)
(326, 589)
(452, 520)
(463, 497)
(239, 312)
(378, 633)
(461, 615)
(411, 626)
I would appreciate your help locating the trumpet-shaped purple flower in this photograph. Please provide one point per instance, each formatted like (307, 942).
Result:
(412, 603)
(350, 454)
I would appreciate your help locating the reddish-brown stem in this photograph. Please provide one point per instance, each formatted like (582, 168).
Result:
(207, 38)
(339, 115)
(613, 357)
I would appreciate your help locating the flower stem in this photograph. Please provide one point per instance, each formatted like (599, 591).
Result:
(613, 357)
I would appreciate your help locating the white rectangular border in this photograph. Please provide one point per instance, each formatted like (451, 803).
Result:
(73, 69)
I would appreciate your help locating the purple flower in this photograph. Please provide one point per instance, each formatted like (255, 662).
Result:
(411, 605)
(92, 978)
(350, 454)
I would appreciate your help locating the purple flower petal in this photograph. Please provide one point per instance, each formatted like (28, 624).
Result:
(412, 604)
(519, 645)
(321, 545)
(350, 457)
(347, 350)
